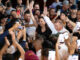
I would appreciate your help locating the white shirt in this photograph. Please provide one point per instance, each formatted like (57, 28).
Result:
(74, 57)
(38, 53)
(63, 51)
(51, 55)
(11, 50)
(20, 59)
(31, 30)
(63, 47)
(52, 27)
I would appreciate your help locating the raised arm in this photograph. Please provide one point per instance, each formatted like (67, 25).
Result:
(24, 33)
(69, 21)
(18, 46)
(48, 21)
(57, 53)
(30, 9)
(21, 50)
(19, 35)
(2, 51)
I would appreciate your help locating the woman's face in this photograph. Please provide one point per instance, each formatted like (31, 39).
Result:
(70, 26)
(41, 22)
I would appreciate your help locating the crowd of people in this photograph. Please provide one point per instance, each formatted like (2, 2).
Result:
(29, 33)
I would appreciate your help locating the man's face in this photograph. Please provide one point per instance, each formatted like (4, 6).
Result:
(58, 26)
(65, 7)
(52, 12)
(36, 6)
(19, 1)
(27, 17)
(37, 44)
(73, 12)
(78, 15)
(37, 12)
(1, 8)
(3, 20)
(62, 16)
(14, 14)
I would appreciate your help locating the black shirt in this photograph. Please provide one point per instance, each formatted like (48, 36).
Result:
(72, 19)
(45, 34)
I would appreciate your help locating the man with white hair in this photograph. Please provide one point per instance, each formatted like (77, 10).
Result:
(61, 47)
(65, 47)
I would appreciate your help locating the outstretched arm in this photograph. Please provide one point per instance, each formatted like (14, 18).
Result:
(22, 52)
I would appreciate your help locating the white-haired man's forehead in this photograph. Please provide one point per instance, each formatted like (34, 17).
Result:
(59, 21)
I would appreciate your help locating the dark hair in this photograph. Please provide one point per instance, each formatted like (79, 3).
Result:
(73, 7)
(45, 52)
(58, 18)
(30, 1)
(8, 57)
(39, 37)
(58, 7)
(9, 4)
(27, 12)
(12, 11)
(41, 17)
(47, 44)
(36, 10)
(51, 9)
(36, 4)
(64, 13)
(18, 6)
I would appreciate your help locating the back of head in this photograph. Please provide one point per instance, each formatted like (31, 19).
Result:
(9, 4)
(30, 55)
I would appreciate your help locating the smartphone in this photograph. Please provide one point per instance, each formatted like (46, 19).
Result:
(58, 12)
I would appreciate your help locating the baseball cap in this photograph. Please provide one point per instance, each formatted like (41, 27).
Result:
(65, 2)
(73, 7)
(30, 55)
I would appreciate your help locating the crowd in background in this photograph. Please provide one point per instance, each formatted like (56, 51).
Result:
(28, 33)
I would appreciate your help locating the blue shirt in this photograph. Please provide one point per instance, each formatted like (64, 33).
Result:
(2, 36)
